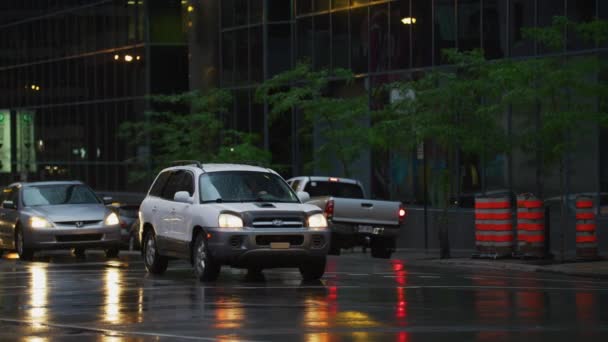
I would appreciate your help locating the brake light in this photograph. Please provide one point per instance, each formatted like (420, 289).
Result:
(123, 224)
(329, 209)
(402, 213)
(334, 179)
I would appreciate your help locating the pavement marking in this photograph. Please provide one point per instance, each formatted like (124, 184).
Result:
(112, 332)
(600, 282)
(358, 274)
(429, 277)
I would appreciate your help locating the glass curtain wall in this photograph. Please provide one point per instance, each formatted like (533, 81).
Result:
(384, 41)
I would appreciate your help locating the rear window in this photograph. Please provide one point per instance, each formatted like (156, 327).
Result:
(335, 189)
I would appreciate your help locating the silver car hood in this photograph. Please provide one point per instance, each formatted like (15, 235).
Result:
(71, 212)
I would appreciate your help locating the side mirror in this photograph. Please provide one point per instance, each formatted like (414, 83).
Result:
(303, 196)
(9, 205)
(107, 200)
(182, 197)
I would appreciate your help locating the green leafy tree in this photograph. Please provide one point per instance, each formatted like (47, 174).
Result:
(454, 108)
(340, 123)
(188, 126)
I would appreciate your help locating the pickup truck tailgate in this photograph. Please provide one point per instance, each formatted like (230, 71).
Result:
(366, 212)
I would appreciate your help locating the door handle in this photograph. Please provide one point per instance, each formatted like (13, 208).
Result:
(154, 209)
(367, 205)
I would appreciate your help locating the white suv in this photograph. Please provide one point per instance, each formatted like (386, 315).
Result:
(238, 215)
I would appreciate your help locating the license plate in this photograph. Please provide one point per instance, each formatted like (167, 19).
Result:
(279, 245)
(366, 229)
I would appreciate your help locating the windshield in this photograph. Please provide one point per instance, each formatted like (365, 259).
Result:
(244, 186)
(335, 189)
(58, 194)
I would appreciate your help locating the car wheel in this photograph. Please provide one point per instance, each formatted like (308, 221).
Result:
(79, 252)
(1, 252)
(313, 269)
(24, 253)
(381, 252)
(205, 268)
(155, 263)
(112, 252)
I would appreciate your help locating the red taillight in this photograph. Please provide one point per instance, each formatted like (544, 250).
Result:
(329, 209)
(123, 224)
(402, 214)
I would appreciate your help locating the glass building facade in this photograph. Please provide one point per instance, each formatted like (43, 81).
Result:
(381, 42)
(71, 72)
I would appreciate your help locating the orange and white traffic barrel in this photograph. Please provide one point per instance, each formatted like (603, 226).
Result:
(530, 226)
(586, 240)
(493, 226)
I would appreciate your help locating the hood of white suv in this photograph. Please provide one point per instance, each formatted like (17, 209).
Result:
(263, 206)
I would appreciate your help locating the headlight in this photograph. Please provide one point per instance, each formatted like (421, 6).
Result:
(39, 222)
(230, 221)
(317, 221)
(112, 220)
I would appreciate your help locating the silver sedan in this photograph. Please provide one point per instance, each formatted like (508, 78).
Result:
(56, 215)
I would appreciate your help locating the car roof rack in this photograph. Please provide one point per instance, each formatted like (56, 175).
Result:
(187, 162)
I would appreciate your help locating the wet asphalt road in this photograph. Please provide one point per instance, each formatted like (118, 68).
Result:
(58, 297)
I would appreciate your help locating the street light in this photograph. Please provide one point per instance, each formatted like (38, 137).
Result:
(408, 21)
(128, 58)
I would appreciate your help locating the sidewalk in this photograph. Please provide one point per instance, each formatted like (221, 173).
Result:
(460, 258)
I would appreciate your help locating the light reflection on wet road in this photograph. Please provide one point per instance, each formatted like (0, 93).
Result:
(58, 297)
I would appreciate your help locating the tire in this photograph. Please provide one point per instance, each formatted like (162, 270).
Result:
(313, 269)
(155, 263)
(112, 252)
(79, 252)
(381, 252)
(1, 252)
(205, 268)
(25, 254)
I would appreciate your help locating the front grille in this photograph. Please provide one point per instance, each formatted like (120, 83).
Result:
(78, 238)
(318, 241)
(265, 240)
(236, 241)
(278, 222)
(79, 223)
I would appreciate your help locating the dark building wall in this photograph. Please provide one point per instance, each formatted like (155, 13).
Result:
(80, 69)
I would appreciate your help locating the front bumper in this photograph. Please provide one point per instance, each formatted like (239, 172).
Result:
(62, 237)
(267, 248)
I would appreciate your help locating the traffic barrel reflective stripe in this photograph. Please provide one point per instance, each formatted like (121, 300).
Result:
(525, 226)
(498, 214)
(530, 215)
(494, 225)
(584, 203)
(586, 227)
(586, 239)
(585, 216)
(536, 238)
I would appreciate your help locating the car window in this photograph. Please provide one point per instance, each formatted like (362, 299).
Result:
(172, 185)
(336, 189)
(187, 183)
(244, 186)
(295, 184)
(56, 194)
(159, 184)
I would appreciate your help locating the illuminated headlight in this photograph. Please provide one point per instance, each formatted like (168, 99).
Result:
(230, 221)
(40, 222)
(317, 221)
(111, 220)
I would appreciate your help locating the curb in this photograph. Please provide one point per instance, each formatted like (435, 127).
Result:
(470, 263)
